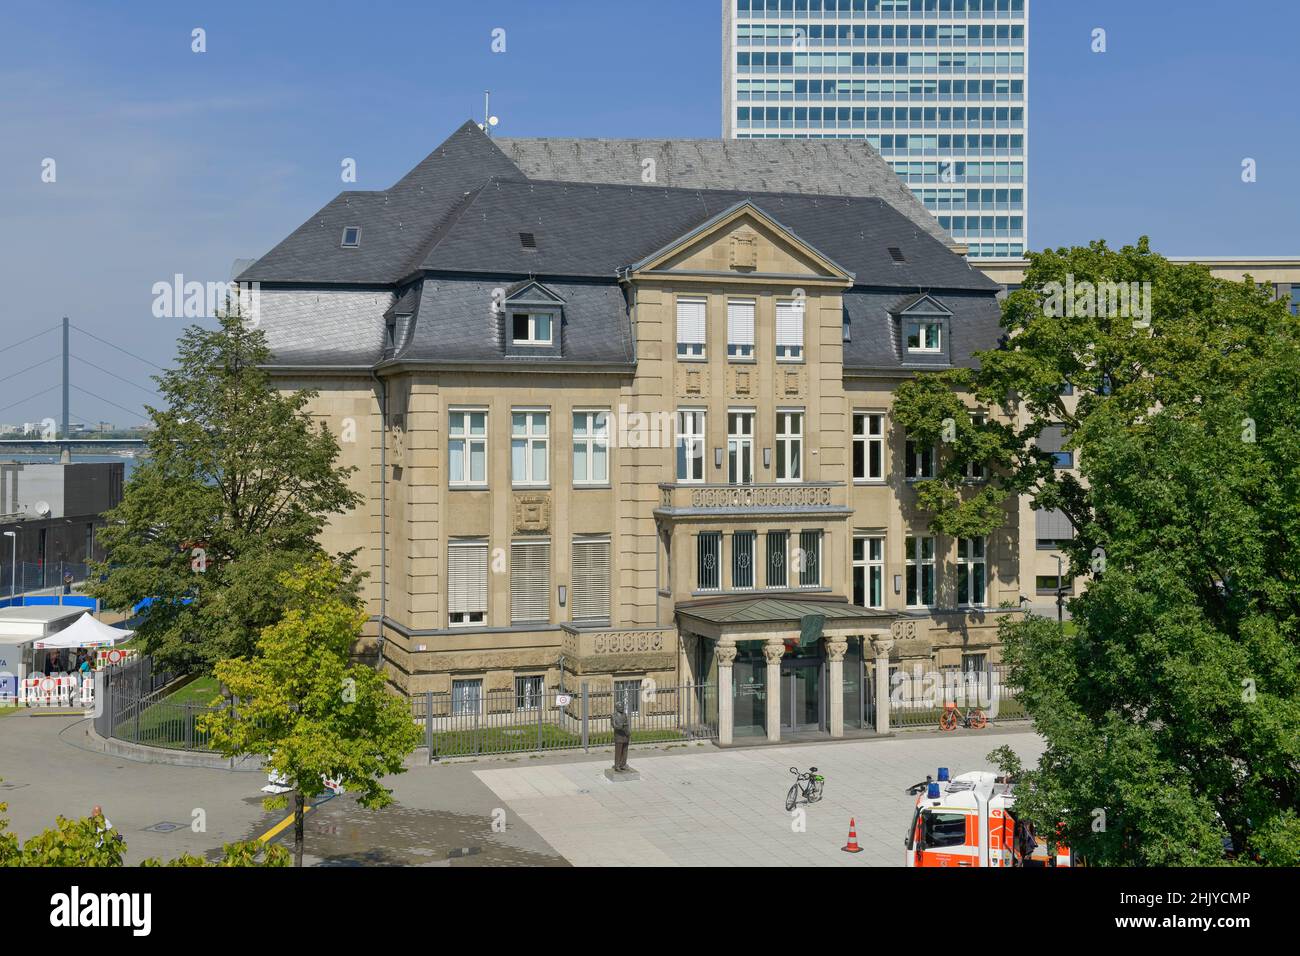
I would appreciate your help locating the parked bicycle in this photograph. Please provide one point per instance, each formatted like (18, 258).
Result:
(952, 717)
(809, 785)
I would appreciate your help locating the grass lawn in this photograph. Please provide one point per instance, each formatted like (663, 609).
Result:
(170, 721)
(201, 690)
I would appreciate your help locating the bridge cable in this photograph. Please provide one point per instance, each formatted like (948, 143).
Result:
(52, 358)
(125, 381)
(118, 347)
(30, 337)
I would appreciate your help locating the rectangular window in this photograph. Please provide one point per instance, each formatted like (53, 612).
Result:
(868, 571)
(740, 328)
(972, 572)
(742, 559)
(466, 697)
(528, 693)
(924, 335)
(740, 448)
(589, 592)
(529, 447)
(976, 470)
(530, 582)
(920, 571)
(777, 545)
(629, 692)
(789, 446)
(591, 448)
(708, 561)
(974, 664)
(467, 571)
(810, 559)
(467, 448)
(692, 315)
(1049, 583)
(789, 330)
(690, 445)
(919, 460)
(530, 329)
(868, 447)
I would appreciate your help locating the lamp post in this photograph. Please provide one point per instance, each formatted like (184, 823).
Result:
(13, 570)
(1060, 596)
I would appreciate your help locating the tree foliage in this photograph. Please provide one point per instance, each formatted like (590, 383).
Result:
(1170, 712)
(301, 703)
(235, 488)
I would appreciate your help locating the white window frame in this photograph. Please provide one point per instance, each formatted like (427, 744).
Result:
(596, 435)
(976, 470)
(713, 536)
(739, 442)
(693, 334)
(533, 338)
(918, 325)
(596, 588)
(468, 441)
(468, 616)
(803, 565)
(791, 443)
(530, 691)
(531, 439)
(872, 566)
(688, 441)
(790, 335)
(457, 708)
(914, 547)
(868, 439)
(740, 329)
(967, 562)
(738, 555)
(783, 556)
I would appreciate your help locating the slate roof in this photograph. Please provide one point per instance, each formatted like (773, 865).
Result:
(874, 335)
(841, 167)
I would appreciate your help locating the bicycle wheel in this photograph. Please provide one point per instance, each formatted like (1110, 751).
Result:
(792, 797)
(815, 790)
(948, 720)
(979, 720)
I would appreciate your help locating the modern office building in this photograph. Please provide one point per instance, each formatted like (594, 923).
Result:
(610, 432)
(939, 87)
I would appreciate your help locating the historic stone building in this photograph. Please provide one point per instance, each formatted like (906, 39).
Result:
(611, 429)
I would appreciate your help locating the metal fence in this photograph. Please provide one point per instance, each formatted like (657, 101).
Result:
(468, 722)
(917, 699)
(131, 707)
(38, 575)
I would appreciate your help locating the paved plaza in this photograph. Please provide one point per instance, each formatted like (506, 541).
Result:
(711, 808)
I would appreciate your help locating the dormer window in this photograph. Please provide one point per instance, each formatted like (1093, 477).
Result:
(924, 335)
(531, 328)
(351, 237)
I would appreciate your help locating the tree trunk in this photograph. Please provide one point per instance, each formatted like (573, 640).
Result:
(298, 802)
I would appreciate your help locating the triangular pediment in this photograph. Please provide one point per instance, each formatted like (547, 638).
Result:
(743, 243)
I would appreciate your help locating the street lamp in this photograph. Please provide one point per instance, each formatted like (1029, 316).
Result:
(1060, 596)
(13, 570)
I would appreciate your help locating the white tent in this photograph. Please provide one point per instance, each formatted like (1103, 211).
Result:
(85, 631)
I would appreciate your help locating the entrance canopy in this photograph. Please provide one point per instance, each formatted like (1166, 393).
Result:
(85, 631)
(715, 616)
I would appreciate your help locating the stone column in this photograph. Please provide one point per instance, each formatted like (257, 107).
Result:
(881, 646)
(773, 651)
(726, 654)
(836, 648)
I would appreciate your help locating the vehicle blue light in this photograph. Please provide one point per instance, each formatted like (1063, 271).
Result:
(943, 773)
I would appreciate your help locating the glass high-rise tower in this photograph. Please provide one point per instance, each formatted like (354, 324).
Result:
(939, 87)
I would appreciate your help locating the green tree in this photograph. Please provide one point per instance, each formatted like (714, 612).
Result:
(1170, 712)
(301, 703)
(235, 488)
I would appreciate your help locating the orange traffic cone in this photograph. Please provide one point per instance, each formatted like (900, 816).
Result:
(852, 845)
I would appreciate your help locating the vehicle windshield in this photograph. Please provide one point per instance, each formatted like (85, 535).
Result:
(944, 829)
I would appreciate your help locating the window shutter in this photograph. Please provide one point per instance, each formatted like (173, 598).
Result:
(1052, 525)
(690, 321)
(789, 323)
(589, 593)
(467, 578)
(740, 322)
(530, 582)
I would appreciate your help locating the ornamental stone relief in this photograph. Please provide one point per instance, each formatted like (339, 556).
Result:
(532, 513)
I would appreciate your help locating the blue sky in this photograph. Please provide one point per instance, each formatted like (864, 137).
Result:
(170, 161)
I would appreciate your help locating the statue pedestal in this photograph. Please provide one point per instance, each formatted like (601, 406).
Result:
(625, 776)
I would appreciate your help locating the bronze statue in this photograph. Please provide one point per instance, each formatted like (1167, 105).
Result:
(622, 736)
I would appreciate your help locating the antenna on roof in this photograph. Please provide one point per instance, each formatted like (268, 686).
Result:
(489, 120)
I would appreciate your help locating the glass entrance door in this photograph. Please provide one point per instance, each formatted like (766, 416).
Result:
(801, 702)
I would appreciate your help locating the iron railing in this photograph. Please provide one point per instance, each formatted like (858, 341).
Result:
(469, 722)
(917, 700)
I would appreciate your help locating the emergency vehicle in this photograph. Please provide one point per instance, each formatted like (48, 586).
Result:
(970, 820)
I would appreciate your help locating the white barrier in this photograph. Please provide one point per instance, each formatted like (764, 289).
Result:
(57, 690)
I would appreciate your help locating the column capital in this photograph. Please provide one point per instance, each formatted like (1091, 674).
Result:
(836, 648)
(881, 646)
(726, 654)
(773, 651)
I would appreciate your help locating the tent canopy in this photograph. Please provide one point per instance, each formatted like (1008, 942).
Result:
(85, 631)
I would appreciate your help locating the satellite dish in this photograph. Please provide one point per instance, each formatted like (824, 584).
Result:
(42, 509)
